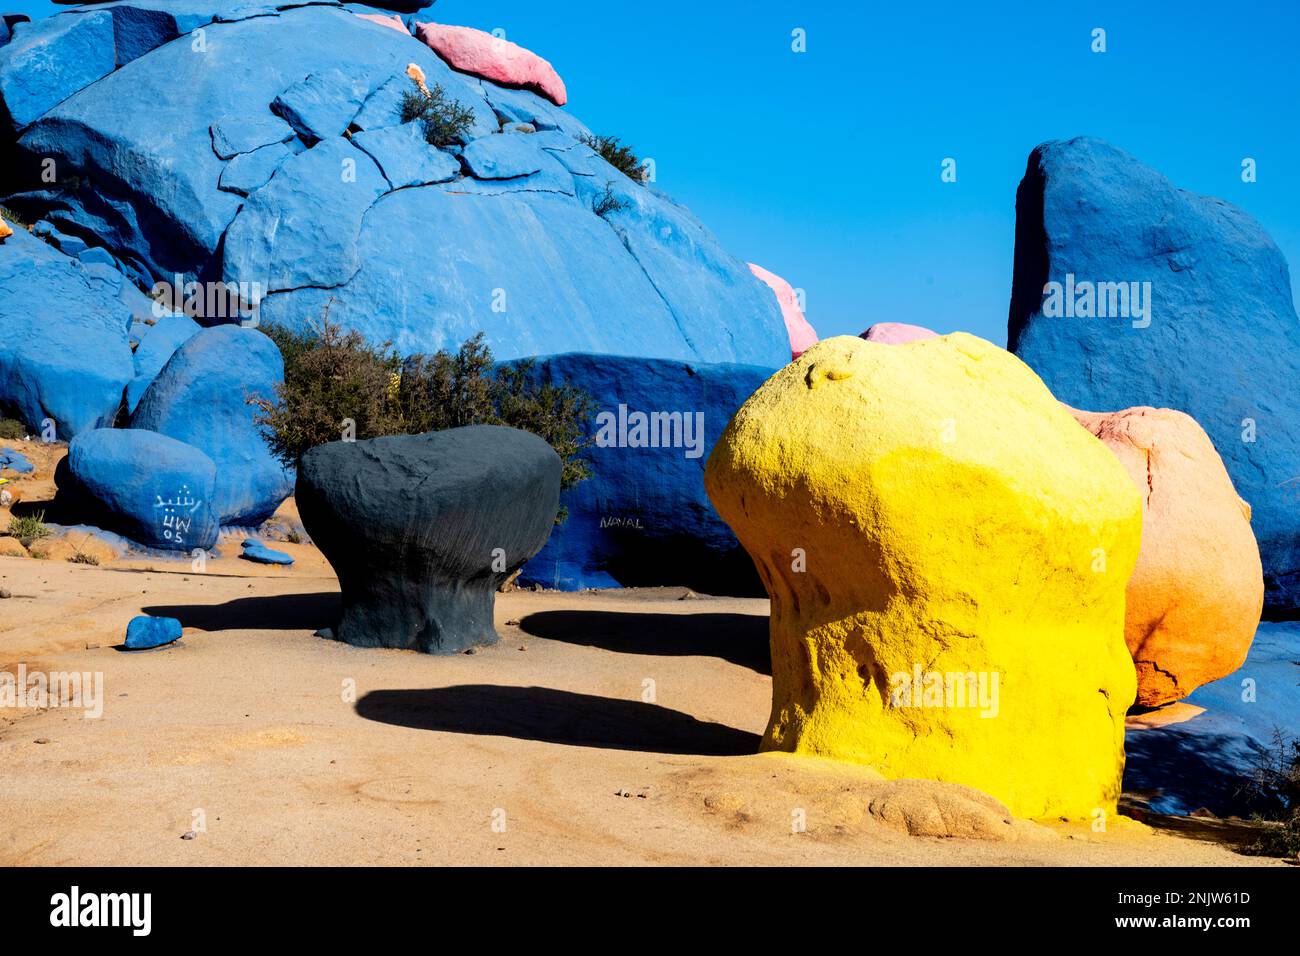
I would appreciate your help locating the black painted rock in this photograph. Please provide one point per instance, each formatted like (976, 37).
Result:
(423, 529)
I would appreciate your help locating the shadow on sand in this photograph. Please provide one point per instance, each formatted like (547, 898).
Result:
(555, 716)
(1192, 770)
(738, 638)
(278, 612)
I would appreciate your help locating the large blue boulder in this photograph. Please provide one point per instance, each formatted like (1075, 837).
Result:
(1129, 291)
(64, 352)
(150, 488)
(155, 350)
(201, 397)
(264, 151)
(643, 518)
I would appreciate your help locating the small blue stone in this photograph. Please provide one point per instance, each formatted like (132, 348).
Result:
(254, 550)
(145, 632)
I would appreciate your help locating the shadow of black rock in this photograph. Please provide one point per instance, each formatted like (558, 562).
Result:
(278, 612)
(557, 717)
(738, 638)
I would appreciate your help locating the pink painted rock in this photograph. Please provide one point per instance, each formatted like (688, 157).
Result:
(896, 333)
(802, 335)
(393, 22)
(1194, 599)
(482, 54)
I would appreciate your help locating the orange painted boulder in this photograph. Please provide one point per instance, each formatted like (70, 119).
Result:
(1194, 599)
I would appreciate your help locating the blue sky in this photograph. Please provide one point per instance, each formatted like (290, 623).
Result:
(824, 166)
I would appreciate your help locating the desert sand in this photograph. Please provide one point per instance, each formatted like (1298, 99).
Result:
(250, 726)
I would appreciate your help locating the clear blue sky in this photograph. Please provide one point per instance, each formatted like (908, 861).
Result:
(824, 166)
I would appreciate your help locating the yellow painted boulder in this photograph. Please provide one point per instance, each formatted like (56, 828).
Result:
(946, 551)
(1196, 593)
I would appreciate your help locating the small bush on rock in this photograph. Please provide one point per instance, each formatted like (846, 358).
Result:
(11, 430)
(617, 155)
(607, 203)
(337, 375)
(444, 120)
(29, 527)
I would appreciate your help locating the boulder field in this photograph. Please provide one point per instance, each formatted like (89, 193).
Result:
(1121, 283)
(258, 144)
(259, 149)
(946, 552)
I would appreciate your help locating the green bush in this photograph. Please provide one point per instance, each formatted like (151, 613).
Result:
(617, 155)
(29, 527)
(444, 120)
(336, 375)
(328, 377)
(12, 430)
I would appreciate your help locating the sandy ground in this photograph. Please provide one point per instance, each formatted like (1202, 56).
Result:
(605, 728)
(288, 748)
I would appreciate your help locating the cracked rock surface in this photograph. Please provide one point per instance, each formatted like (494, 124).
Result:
(258, 143)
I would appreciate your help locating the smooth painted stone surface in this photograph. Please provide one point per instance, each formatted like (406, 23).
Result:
(201, 397)
(926, 511)
(423, 529)
(144, 632)
(254, 550)
(493, 58)
(1194, 599)
(152, 489)
(802, 335)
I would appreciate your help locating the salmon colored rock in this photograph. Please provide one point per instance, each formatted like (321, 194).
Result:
(802, 335)
(1195, 596)
(393, 22)
(897, 333)
(493, 58)
(5, 231)
(946, 552)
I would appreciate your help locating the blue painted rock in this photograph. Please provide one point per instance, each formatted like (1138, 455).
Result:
(15, 461)
(64, 353)
(201, 398)
(423, 529)
(255, 550)
(1122, 284)
(157, 346)
(227, 163)
(145, 632)
(150, 488)
(644, 518)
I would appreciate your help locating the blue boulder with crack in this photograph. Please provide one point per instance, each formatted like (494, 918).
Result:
(202, 397)
(155, 350)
